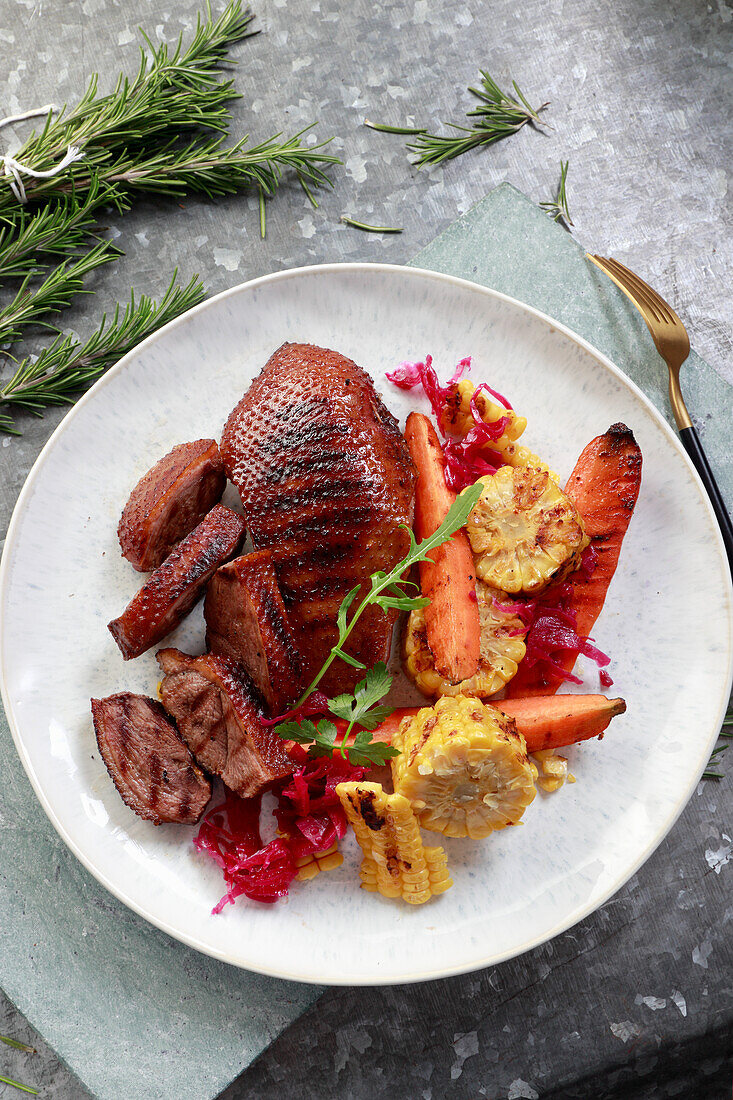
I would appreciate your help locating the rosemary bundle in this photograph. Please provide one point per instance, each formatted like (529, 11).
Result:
(162, 133)
(497, 116)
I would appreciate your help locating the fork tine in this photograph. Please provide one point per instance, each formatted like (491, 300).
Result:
(664, 308)
(638, 288)
(619, 277)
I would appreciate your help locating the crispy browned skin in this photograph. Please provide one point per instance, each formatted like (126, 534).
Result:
(150, 766)
(218, 714)
(174, 587)
(246, 621)
(168, 502)
(325, 481)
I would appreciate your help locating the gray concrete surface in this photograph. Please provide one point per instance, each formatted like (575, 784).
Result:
(640, 103)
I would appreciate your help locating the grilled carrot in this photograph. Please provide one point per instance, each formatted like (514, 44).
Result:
(545, 722)
(604, 487)
(448, 579)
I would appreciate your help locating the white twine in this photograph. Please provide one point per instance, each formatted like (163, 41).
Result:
(13, 168)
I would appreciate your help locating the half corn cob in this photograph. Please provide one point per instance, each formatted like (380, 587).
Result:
(524, 531)
(463, 767)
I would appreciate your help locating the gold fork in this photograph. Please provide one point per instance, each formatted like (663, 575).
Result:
(673, 344)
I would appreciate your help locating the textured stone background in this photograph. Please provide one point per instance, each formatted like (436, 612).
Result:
(641, 102)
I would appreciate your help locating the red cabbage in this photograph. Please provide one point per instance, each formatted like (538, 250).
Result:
(310, 821)
(552, 632)
(469, 458)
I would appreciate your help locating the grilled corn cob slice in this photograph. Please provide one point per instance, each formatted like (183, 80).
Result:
(457, 419)
(524, 531)
(502, 648)
(396, 864)
(464, 768)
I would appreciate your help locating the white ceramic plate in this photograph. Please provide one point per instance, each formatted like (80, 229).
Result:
(666, 624)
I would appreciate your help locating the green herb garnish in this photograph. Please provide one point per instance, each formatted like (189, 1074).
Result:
(497, 116)
(17, 1085)
(390, 591)
(557, 208)
(370, 228)
(17, 1045)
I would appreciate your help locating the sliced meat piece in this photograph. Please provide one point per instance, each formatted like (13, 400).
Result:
(246, 621)
(168, 502)
(175, 586)
(218, 713)
(150, 766)
(326, 481)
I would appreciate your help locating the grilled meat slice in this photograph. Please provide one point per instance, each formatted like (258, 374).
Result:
(174, 587)
(168, 502)
(150, 766)
(246, 621)
(326, 482)
(218, 713)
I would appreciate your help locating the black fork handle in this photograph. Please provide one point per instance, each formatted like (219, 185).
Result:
(693, 446)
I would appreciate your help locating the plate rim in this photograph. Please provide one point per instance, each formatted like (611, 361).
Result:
(285, 274)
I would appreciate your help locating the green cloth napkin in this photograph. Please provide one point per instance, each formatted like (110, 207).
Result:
(134, 1013)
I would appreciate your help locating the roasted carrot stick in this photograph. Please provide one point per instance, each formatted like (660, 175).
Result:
(604, 487)
(448, 579)
(545, 721)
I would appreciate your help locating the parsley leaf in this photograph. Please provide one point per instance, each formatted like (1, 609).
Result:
(360, 707)
(365, 751)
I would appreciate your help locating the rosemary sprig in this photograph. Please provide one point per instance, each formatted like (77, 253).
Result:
(557, 208)
(33, 241)
(370, 228)
(727, 733)
(131, 141)
(389, 591)
(498, 115)
(207, 168)
(31, 304)
(69, 364)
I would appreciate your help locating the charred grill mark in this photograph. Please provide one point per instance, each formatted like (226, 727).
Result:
(312, 404)
(302, 435)
(329, 491)
(370, 816)
(297, 465)
(271, 612)
(155, 771)
(306, 528)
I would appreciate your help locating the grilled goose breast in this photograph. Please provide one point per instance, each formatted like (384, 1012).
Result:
(326, 482)
(151, 767)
